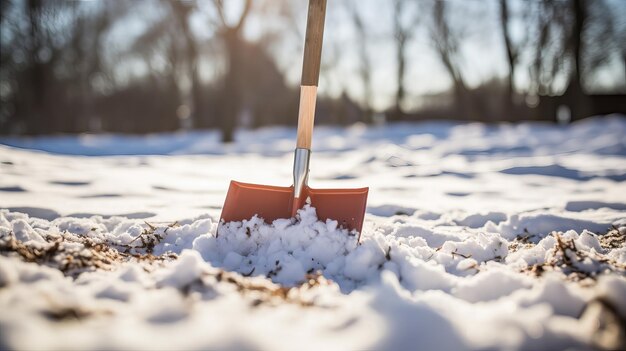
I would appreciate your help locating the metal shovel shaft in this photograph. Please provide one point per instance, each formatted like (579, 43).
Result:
(301, 161)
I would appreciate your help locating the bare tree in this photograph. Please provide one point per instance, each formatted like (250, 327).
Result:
(88, 49)
(447, 46)
(182, 11)
(161, 42)
(404, 24)
(38, 71)
(365, 66)
(572, 41)
(231, 37)
(574, 45)
(549, 20)
(512, 54)
(592, 42)
(50, 55)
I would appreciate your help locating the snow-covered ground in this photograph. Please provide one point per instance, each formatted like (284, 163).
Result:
(476, 237)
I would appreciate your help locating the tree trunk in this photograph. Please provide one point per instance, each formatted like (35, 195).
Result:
(580, 15)
(401, 92)
(365, 65)
(575, 96)
(197, 108)
(232, 92)
(36, 74)
(197, 113)
(447, 48)
(401, 39)
(509, 104)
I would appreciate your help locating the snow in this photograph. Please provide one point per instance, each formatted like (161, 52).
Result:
(475, 237)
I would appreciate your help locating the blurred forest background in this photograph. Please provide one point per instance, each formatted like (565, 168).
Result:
(136, 66)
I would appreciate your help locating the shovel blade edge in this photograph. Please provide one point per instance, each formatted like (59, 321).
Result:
(244, 200)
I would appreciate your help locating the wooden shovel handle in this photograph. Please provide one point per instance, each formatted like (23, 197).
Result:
(313, 42)
(310, 71)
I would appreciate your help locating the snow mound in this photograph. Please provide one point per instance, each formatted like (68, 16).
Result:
(175, 279)
(476, 237)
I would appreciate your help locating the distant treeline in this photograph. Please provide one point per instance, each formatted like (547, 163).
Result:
(152, 66)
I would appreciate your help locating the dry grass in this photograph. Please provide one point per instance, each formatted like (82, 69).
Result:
(75, 254)
(613, 239)
(577, 265)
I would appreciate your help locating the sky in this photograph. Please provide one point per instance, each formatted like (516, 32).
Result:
(482, 46)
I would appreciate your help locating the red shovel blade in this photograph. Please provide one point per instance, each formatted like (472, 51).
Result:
(244, 200)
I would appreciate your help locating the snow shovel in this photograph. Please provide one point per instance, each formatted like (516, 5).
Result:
(346, 206)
